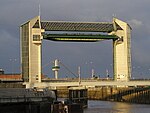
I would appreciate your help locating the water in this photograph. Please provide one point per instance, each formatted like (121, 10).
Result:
(115, 107)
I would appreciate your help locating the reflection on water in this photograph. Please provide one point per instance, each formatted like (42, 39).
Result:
(115, 107)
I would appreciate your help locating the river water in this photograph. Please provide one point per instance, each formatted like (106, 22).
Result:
(115, 107)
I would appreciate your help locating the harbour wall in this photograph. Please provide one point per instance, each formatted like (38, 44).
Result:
(139, 95)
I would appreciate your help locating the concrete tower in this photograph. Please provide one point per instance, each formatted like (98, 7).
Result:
(31, 50)
(121, 51)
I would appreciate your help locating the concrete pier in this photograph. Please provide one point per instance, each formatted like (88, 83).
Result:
(139, 95)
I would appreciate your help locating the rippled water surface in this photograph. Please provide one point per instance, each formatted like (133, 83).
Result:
(115, 107)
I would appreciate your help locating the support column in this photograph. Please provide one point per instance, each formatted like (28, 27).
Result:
(31, 40)
(121, 51)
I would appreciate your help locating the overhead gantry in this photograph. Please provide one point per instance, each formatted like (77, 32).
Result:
(35, 30)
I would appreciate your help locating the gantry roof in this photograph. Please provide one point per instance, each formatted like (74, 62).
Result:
(78, 26)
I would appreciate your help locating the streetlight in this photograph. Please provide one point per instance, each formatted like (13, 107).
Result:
(107, 74)
(90, 67)
(79, 74)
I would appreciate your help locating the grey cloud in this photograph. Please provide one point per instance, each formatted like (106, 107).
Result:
(15, 12)
(135, 23)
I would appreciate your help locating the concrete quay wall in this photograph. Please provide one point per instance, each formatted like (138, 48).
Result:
(139, 95)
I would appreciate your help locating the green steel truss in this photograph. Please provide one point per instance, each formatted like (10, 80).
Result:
(78, 37)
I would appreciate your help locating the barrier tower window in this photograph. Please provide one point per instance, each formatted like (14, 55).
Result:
(36, 38)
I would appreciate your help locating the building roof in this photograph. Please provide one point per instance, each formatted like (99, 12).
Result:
(10, 77)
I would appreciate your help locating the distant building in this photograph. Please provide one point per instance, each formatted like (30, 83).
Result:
(10, 77)
(13, 77)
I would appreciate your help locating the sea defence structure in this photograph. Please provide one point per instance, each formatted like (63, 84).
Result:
(35, 30)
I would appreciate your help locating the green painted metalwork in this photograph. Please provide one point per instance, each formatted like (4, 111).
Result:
(56, 67)
(79, 37)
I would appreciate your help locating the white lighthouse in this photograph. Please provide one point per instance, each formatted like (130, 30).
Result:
(56, 68)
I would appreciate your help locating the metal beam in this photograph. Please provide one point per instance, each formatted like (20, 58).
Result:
(78, 37)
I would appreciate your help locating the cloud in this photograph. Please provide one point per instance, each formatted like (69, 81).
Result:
(135, 23)
(15, 12)
(9, 48)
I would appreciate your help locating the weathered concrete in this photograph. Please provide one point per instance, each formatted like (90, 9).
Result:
(110, 93)
(11, 85)
(132, 95)
(140, 95)
(91, 83)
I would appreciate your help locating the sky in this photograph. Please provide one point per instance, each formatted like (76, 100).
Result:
(86, 55)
